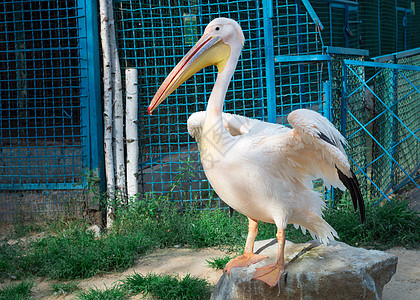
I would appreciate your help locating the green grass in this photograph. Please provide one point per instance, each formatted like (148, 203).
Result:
(386, 226)
(219, 263)
(19, 291)
(72, 255)
(113, 293)
(168, 287)
(80, 255)
(68, 252)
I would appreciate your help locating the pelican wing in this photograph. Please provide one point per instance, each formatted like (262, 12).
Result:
(322, 154)
(313, 149)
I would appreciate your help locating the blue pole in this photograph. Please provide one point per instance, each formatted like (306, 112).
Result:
(344, 101)
(259, 67)
(327, 99)
(92, 102)
(393, 124)
(302, 78)
(269, 60)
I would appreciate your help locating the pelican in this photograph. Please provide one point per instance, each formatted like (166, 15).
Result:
(261, 170)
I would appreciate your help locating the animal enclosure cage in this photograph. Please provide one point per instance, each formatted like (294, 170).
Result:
(153, 38)
(288, 62)
(283, 67)
(47, 101)
(295, 56)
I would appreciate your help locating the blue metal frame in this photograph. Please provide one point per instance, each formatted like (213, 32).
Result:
(312, 13)
(302, 58)
(90, 57)
(269, 61)
(396, 55)
(346, 51)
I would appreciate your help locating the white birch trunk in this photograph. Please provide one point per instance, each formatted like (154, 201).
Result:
(109, 160)
(131, 132)
(118, 129)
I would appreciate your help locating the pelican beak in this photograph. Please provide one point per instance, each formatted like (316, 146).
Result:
(207, 51)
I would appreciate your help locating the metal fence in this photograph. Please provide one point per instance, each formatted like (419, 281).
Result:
(268, 83)
(153, 37)
(48, 101)
(390, 124)
(50, 128)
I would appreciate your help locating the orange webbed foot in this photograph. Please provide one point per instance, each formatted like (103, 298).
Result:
(269, 274)
(244, 260)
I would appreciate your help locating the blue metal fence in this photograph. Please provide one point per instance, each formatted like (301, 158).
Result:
(50, 105)
(153, 37)
(391, 126)
(283, 66)
(50, 128)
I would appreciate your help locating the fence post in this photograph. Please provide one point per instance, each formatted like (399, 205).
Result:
(91, 105)
(343, 117)
(327, 103)
(393, 124)
(269, 60)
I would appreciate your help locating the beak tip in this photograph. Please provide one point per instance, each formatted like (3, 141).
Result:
(149, 111)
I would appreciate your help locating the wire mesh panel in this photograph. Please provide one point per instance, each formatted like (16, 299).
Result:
(389, 26)
(341, 21)
(358, 147)
(44, 106)
(397, 124)
(392, 127)
(153, 36)
(298, 84)
(407, 132)
(358, 103)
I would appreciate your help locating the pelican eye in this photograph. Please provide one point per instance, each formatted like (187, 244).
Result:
(217, 28)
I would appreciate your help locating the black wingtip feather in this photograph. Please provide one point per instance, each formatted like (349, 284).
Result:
(352, 185)
(325, 138)
(231, 211)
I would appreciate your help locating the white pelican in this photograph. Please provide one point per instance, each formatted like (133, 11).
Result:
(262, 170)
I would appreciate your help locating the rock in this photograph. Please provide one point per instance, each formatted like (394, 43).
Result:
(314, 271)
(413, 199)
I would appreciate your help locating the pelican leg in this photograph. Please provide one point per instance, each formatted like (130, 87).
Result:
(272, 273)
(248, 258)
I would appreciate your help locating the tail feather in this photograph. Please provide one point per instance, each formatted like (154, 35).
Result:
(352, 185)
(318, 228)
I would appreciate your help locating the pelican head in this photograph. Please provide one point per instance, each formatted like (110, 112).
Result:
(222, 39)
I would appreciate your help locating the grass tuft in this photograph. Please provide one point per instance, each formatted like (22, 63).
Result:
(168, 287)
(388, 225)
(19, 291)
(219, 263)
(114, 293)
(80, 255)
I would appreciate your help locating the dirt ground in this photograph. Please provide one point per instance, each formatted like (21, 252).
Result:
(404, 285)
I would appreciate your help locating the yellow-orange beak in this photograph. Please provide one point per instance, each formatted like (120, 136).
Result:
(207, 51)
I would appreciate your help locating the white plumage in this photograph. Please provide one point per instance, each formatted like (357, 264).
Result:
(295, 158)
(261, 170)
